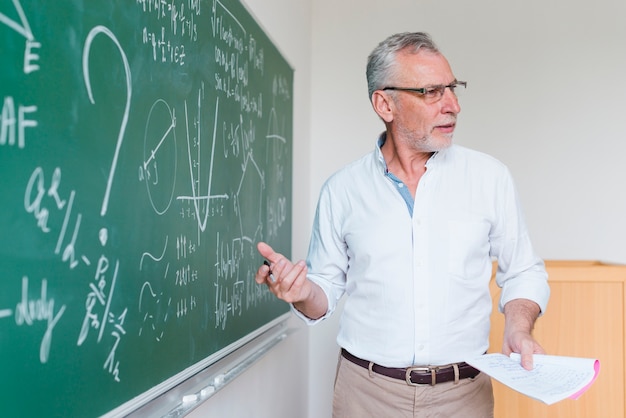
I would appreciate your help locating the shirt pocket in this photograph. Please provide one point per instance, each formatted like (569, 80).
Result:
(468, 248)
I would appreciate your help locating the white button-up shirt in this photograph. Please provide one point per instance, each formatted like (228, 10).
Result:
(417, 283)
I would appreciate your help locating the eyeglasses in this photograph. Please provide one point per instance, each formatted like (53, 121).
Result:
(431, 94)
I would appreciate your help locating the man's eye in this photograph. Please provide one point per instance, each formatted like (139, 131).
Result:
(433, 91)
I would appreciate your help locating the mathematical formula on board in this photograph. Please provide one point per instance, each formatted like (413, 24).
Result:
(144, 150)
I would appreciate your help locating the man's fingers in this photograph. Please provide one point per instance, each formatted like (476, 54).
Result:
(289, 281)
(261, 274)
(527, 351)
(527, 361)
(268, 252)
(291, 276)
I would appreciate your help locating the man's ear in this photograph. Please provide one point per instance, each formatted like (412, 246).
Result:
(383, 105)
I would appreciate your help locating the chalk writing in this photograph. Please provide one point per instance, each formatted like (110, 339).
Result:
(165, 45)
(12, 127)
(98, 312)
(28, 311)
(35, 204)
(120, 138)
(160, 145)
(23, 28)
(154, 314)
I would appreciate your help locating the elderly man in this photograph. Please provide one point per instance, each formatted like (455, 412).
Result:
(408, 234)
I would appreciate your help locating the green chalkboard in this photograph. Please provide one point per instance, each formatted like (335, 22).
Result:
(145, 147)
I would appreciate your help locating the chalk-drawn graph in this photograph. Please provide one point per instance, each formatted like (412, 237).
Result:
(159, 165)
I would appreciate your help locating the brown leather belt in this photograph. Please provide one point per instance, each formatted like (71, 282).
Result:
(427, 375)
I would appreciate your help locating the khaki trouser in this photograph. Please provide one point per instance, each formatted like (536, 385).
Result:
(359, 395)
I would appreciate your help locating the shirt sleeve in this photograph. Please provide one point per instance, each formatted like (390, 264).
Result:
(521, 273)
(327, 259)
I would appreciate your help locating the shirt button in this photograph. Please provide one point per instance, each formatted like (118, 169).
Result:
(420, 347)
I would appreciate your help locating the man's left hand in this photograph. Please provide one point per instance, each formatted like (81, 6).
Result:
(520, 316)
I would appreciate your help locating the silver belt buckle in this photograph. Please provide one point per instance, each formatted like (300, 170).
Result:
(409, 370)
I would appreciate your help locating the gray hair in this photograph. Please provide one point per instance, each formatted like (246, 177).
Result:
(380, 63)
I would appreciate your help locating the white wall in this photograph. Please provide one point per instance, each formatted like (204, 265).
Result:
(546, 95)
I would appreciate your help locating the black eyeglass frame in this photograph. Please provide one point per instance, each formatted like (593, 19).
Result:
(424, 90)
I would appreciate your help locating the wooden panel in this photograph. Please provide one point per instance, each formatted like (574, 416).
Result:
(585, 318)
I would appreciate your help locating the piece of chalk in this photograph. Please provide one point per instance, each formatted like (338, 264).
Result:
(217, 380)
(190, 398)
(207, 391)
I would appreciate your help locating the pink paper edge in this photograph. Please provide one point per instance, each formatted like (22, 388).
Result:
(596, 368)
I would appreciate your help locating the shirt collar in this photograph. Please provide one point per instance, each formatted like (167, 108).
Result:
(379, 153)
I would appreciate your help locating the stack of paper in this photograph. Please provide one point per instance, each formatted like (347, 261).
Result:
(553, 378)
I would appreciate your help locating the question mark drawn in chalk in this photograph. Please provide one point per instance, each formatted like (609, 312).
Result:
(120, 138)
